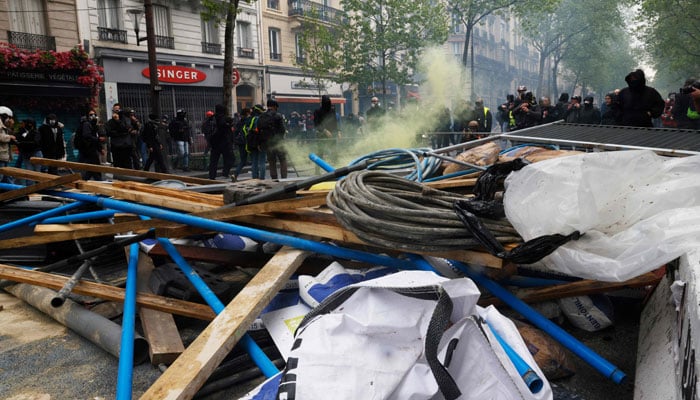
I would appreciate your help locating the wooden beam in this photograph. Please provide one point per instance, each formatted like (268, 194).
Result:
(56, 282)
(216, 200)
(29, 174)
(120, 171)
(189, 372)
(57, 181)
(144, 197)
(159, 328)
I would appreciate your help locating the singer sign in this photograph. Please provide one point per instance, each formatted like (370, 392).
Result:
(176, 74)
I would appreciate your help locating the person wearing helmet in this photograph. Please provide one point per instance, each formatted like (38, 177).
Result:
(6, 137)
(208, 129)
(181, 133)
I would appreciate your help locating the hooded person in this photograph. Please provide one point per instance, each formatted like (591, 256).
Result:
(327, 129)
(150, 136)
(221, 142)
(589, 113)
(52, 143)
(638, 104)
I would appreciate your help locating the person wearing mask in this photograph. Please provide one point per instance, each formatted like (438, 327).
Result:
(526, 113)
(221, 143)
(327, 129)
(239, 142)
(29, 145)
(562, 106)
(52, 144)
(572, 114)
(154, 147)
(374, 113)
(208, 129)
(607, 110)
(546, 111)
(138, 150)
(6, 137)
(181, 133)
(271, 126)
(483, 116)
(258, 157)
(90, 150)
(638, 104)
(589, 114)
(120, 139)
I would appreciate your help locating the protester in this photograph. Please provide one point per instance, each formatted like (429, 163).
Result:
(221, 143)
(271, 127)
(153, 145)
(89, 144)
(52, 144)
(6, 124)
(638, 103)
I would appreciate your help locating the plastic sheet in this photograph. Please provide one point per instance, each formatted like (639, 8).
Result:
(637, 210)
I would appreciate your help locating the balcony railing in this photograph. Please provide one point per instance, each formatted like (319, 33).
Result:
(310, 9)
(276, 56)
(246, 52)
(211, 48)
(165, 42)
(111, 35)
(31, 41)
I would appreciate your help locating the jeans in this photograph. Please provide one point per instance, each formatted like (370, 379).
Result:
(258, 160)
(183, 153)
(244, 159)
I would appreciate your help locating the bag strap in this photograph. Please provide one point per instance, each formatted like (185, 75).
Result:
(439, 322)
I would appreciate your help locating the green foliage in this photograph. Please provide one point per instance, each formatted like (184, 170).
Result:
(670, 31)
(320, 49)
(382, 40)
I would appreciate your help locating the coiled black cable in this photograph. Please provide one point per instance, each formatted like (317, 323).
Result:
(397, 213)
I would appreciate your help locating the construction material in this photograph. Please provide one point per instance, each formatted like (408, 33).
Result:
(125, 373)
(60, 297)
(17, 193)
(94, 327)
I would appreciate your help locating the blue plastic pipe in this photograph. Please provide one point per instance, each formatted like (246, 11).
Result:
(321, 162)
(225, 227)
(596, 361)
(256, 353)
(532, 380)
(126, 348)
(40, 216)
(79, 217)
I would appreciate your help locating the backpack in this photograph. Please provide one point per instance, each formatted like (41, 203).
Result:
(209, 127)
(250, 133)
(266, 126)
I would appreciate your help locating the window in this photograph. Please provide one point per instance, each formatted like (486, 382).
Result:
(457, 49)
(456, 24)
(273, 4)
(301, 57)
(244, 39)
(161, 18)
(210, 32)
(27, 16)
(275, 45)
(108, 12)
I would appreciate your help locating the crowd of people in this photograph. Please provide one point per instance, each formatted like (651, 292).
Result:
(257, 135)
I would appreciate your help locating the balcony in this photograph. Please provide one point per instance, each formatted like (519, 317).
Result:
(309, 9)
(246, 52)
(111, 35)
(275, 56)
(165, 42)
(211, 48)
(31, 41)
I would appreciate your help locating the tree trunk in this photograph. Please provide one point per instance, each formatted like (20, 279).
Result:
(228, 56)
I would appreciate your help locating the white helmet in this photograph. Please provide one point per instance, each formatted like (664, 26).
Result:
(5, 111)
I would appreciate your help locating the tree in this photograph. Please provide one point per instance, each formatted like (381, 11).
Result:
(382, 39)
(219, 11)
(321, 55)
(670, 31)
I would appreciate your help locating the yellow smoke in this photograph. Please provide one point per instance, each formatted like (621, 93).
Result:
(408, 127)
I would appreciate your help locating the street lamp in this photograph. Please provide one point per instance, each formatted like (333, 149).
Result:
(136, 19)
(151, 44)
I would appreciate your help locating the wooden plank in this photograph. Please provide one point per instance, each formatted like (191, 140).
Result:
(144, 198)
(451, 183)
(29, 174)
(44, 229)
(579, 288)
(57, 181)
(120, 171)
(56, 282)
(190, 371)
(159, 328)
(211, 199)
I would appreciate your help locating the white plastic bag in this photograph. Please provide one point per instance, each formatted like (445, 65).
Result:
(637, 210)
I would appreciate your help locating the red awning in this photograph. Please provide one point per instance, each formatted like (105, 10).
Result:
(314, 100)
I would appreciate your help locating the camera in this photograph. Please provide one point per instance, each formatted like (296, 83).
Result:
(689, 89)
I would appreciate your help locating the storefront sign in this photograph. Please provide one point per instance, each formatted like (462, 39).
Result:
(176, 74)
(235, 76)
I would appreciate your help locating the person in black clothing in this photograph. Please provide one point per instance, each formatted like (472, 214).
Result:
(607, 110)
(121, 141)
(561, 106)
(221, 143)
(28, 142)
(638, 103)
(684, 102)
(274, 130)
(526, 113)
(589, 113)
(572, 114)
(91, 145)
(239, 141)
(180, 131)
(153, 144)
(52, 144)
(483, 116)
(326, 128)
(547, 111)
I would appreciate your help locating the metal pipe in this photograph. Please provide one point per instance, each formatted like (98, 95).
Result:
(60, 297)
(78, 217)
(530, 377)
(321, 162)
(37, 217)
(126, 358)
(596, 361)
(225, 227)
(256, 354)
(97, 329)
(454, 160)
